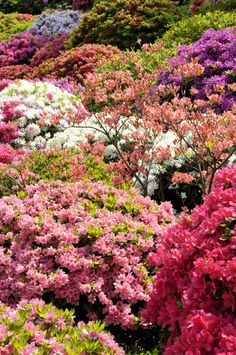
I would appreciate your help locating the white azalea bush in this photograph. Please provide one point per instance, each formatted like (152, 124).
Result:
(41, 111)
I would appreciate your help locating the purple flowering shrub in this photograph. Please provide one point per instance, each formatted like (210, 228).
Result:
(215, 52)
(85, 244)
(56, 23)
(194, 289)
(20, 48)
(34, 327)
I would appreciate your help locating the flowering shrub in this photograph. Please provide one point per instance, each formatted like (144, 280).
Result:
(29, 167)
(12, 72)
(122, 23)
(39, 110)
(38, 328)
(152, 139)
(194, 287)
(191, 29)
(50, 50)
(85, 243)
(20, 48)
(56, 23)
(214, 79)
(75, 63)
(11, 24)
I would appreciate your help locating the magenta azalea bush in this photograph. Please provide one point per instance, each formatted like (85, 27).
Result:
(20, 48)
(84, 241)
(36, 328)
(215, 82)
(194, 288)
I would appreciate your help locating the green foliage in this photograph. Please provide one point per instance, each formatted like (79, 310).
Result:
(14, 23)
(49, 165)
(31, 6)
(222, 5)
(44, 329)
(124, 22)
(191, 29)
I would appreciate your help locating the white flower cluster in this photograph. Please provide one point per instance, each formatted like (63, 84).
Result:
(43, 114)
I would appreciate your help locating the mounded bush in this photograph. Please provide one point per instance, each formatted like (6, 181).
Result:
(68, 165)
(194, 287)
(214, 79)
(81, 4)
(123, 23)
(191, 29)
(40, 110)
(32, 6)
(76, 63)
(14, 23)
(213, 5)
(35, 327)
(56, 23)
(82, 244)
(20, 48)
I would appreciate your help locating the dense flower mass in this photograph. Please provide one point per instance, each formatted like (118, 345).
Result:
(215, 52)
(56, 23)
(11, 24)
(35, 327)
(75, 63)
(20, 48)
(83, 241)
(194, 288)
(39, 110)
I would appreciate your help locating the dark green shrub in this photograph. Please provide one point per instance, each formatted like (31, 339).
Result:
(32, 6)
(191, 29)
(14, 23)
(124, 22)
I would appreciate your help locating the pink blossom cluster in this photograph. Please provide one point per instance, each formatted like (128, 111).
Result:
(20, 48)
(194, 289)
(86, 241)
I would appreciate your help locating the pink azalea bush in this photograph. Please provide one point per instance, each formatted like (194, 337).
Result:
(84, 243)
(20, 48)
(34, 327)
(194, 288)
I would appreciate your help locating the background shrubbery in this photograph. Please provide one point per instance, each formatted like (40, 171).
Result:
(123, 23)
(14, 23)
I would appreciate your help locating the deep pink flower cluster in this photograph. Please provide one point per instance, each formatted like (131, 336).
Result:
(194, 289)
(20, 48)
(82, 240)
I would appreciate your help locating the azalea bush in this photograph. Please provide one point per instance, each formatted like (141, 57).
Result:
(193, 295)
(151, 139)
(85, 244)
(12, 72)
(68, 165)
(20, 48)
(11, 24)
(51, 49)
(35, 327)
(192, 28)
(122, 22)
(56, 23)
(205, 70)
(74, 64)
(39, 110)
